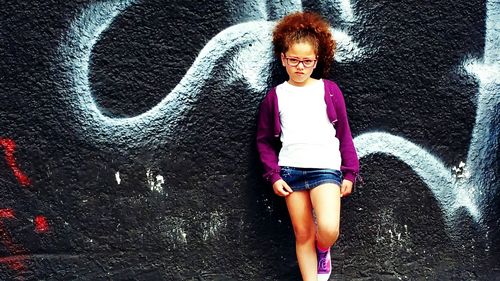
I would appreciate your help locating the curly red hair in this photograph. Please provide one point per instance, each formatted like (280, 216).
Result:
(309, 27)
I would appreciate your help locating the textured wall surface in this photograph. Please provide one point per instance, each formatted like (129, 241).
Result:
(127, 133)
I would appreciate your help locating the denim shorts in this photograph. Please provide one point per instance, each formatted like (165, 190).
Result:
(308, 178)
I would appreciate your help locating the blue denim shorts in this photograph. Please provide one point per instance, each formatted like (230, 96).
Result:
(308, 178)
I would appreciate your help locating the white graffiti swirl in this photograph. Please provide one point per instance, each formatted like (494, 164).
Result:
(252, 37)
(476, 189)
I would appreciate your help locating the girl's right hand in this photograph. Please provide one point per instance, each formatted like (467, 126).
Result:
(281, 188)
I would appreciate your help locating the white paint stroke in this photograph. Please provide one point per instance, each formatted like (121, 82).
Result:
(155, 183)
(76, 52)
(342, 8)
(264, 10)
(432, 171)
(347, 49)
(117, 177)
(347, 11)
(483, 157)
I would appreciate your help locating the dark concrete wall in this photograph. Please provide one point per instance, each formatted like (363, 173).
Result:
(127, 132)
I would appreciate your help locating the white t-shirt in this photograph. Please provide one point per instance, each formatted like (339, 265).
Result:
(307, 135)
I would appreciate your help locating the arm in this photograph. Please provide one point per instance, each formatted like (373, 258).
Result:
(266, 141)
(350, 162)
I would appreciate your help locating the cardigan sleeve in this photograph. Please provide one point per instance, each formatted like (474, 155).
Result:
(350, 163)
(266, 140)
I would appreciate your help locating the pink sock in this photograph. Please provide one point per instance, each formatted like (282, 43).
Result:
(322, 250)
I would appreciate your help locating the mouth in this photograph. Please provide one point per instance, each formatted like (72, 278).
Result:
(299, 73)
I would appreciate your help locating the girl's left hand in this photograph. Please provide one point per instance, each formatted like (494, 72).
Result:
(346, 188)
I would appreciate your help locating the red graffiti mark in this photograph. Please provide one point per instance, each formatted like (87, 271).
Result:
(9, 148)
(17, 251)
(7, 213)
(41, 224)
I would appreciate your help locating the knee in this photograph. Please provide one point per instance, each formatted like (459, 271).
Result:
(304, 234)
(328, 232)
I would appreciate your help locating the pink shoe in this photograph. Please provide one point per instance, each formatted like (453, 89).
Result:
(324, 265)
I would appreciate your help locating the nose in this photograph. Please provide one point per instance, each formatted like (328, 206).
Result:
(299, 65)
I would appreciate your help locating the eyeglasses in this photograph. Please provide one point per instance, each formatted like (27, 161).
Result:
(307, 63)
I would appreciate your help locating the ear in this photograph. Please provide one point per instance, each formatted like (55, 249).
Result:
(283, 60)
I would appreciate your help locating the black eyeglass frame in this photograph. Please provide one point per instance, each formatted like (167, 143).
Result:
(299, 61)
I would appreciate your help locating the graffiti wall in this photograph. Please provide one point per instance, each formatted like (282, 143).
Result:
(127, 134)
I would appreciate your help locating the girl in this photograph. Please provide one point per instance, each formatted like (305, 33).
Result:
(317, 163)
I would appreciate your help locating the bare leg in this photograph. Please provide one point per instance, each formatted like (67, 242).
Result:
(326, 203)
(300, 210)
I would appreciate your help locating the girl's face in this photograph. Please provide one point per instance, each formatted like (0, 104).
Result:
(304, 54)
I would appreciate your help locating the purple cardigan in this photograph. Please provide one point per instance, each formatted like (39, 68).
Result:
(269, 130)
